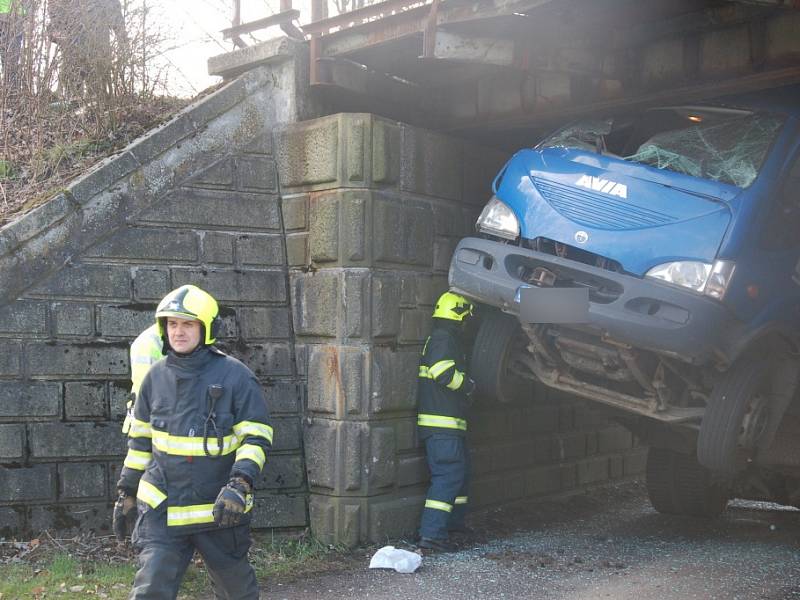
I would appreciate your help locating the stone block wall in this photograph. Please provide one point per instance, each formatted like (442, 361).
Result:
(195, 201)
(373, 211)
(553, 444)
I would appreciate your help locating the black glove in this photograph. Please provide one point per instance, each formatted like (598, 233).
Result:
(231, 501)
(124, 513)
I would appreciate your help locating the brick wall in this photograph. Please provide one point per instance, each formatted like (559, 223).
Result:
(552, 444)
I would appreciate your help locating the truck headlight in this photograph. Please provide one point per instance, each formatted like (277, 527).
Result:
(703, 278)
(721, 275)
(498, 219)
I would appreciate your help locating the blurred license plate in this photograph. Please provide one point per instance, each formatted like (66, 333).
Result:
(553, 305)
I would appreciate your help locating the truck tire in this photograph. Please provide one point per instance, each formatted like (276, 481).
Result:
(736, 409)
(498, 337)
(678, 485)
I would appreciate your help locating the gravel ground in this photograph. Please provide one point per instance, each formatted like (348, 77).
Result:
(607, 544)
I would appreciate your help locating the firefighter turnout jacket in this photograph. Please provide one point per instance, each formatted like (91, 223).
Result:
(145, 352)
(443, 384)
(197, 421)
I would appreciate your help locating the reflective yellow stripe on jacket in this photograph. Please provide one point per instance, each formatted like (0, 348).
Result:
(150, 494)
(251, 452)
(443, 421)
(194, 446)
(140, 429)
(197, 514)
(455, 383)
(126, 424)
(181, 515)
(437, 505)
(137, 459)
(190, 515)
(438, 369)
(245, 428)
(179, 445)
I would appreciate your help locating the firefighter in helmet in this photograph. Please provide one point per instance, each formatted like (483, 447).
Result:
(198, 440)
(443, 393)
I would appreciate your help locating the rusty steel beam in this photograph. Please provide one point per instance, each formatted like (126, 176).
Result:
(237, 19)
(314, 72)
(399, 19)
(360, 16)
(288, 27)
(429, 34)
(460, 12)
(359, 79)
(576, 47)
(476, 49)
(351, 87)
(370, 35)
(354, 35)
(734, 84)
(719, 17)
(319, 11)
(277, 19)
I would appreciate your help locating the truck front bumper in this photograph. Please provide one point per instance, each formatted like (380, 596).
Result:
(641, 313)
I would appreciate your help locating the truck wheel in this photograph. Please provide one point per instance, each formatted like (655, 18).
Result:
(736, 415)
(678, 485)
(498, 339)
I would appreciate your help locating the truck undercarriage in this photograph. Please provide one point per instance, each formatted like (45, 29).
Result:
(616, 374)
(663, 401)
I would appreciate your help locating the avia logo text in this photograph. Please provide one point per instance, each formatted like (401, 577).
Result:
(598, 184)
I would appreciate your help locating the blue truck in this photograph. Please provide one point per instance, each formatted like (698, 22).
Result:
(650, 261)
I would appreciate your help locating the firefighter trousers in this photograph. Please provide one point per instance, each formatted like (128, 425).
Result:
(164, 557)
(446, 502)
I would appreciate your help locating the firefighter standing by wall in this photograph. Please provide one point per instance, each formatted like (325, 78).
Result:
(146, 350)
(444, 391)
(197, 441)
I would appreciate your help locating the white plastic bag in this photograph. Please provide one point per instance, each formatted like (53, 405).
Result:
(401, 561)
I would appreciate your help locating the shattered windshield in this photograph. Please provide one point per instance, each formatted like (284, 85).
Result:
(712, 143)
(584, 135)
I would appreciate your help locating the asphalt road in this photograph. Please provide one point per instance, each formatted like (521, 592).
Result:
(609, 544)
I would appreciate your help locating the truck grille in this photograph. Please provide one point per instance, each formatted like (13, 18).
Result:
(598, 210)
(548, 246)
(601, 290)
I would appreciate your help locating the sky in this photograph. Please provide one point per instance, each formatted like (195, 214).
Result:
(193, 27)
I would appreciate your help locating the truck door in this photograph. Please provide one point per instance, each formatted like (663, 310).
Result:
(770, 278)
